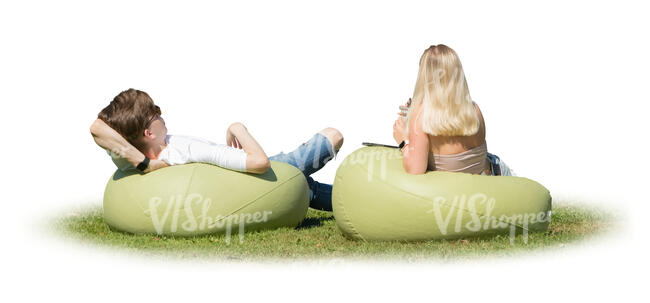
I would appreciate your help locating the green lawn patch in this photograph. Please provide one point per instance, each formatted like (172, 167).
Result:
(318, 237)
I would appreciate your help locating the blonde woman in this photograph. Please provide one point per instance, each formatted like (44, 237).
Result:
(441, 127)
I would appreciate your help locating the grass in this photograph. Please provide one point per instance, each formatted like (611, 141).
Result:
(318, 237)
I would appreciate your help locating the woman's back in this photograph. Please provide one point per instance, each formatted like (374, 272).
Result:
(445, 129)
(449, 145)
(460, 153)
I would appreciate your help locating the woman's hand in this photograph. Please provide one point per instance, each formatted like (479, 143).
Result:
(399, 130)
(404, 109)
(416, 153)
(399, 127)
(231, 138)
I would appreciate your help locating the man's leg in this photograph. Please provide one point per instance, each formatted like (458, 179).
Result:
(320, 195)
(334, 136)
(310, 157)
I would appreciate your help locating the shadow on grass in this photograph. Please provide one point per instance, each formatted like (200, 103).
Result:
(311, 222)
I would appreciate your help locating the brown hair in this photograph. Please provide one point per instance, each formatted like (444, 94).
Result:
(129, 114)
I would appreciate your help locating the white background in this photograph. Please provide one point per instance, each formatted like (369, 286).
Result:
(562, 87)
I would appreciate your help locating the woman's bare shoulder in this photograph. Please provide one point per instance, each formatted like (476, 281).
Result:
(481, 131)
(478, 111)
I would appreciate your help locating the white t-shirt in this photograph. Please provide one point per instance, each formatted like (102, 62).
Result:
(185, 149)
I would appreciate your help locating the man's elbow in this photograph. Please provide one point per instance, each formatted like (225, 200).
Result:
(259, 165)
(95, 127)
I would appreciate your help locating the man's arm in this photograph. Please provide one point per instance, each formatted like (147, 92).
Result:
(109, 139)
(238, 136)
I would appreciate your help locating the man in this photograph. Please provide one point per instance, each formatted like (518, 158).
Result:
(134, 133)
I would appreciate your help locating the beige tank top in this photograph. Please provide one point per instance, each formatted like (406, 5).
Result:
(471, 161)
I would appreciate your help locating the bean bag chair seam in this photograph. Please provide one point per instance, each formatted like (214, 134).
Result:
(252, 201)
(347, 221)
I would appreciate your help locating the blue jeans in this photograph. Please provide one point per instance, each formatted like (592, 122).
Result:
(498, 167)
(309, 158)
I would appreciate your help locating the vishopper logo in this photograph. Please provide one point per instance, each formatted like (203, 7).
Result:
(480, 208)
(301, 155)
(178, 205)
(117, 153)
(375, 159)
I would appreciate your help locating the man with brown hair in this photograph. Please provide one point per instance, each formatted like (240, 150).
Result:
(133, 132)
(130, 113)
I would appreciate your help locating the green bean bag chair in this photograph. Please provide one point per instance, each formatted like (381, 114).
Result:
(195, 199)
(375, 199)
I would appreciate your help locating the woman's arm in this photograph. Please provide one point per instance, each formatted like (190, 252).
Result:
(237, 136)
(416, 153)
(109, 139)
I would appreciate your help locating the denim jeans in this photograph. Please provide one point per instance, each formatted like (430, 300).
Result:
(498, 167)
(309, 158)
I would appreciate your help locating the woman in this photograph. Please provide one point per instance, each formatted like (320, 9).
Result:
(441, 128)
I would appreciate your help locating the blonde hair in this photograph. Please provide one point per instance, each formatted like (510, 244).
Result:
(441, 90)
